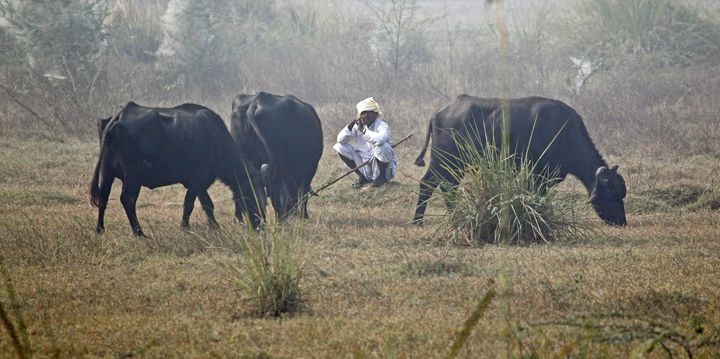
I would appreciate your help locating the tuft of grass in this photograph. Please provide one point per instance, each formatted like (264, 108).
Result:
(271, 269)
(501, 199)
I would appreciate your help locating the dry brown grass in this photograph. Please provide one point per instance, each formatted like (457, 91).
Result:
(374, 285)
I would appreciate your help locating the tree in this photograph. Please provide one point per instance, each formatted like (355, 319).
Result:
(399, 42)
(60, 39)
(189, 43)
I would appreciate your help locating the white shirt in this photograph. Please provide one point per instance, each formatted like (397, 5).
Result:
(378, 134)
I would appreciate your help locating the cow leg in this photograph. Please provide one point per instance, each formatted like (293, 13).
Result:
(244, 209)
(427, 186)
(298, 193)
(304, 193)
(450, 174)
(128, 198)
(449, 188)
(437, 174)
(105, 187)
(282, 198)
(188, 206)
(209, 208)
(280, 202)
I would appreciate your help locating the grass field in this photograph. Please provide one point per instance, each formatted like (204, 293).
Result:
(373, 285)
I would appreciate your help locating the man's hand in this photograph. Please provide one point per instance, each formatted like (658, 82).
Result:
(361, 124)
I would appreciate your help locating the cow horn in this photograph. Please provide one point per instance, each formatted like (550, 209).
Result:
(601, 175)
(265, 172)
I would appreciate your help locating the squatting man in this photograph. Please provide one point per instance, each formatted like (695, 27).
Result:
(367, 137)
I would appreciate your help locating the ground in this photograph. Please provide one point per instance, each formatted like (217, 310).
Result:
(374, 285)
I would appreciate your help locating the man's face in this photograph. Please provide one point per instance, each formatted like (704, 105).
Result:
(368, 117)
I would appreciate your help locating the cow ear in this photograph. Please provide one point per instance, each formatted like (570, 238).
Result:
(614, 168)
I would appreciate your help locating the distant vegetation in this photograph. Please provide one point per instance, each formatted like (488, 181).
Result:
(357, 278)
(644, 60)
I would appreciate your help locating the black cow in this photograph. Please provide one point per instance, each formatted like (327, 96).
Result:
(187, 144)
(559, 142)
(286, 133)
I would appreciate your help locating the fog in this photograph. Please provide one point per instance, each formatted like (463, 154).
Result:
(620, 64)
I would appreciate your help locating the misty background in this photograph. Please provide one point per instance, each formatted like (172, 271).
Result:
(643, 74)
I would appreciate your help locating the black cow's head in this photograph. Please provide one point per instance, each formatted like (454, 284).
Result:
(252, 197)
(285, 197)
(608, 195)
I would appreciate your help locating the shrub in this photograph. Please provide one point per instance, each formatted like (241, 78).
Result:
(271, 269)
(501, 199)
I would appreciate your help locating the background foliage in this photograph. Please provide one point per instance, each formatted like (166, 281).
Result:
(372, 285)
(76, 60)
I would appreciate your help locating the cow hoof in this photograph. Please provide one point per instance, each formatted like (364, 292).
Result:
(100, 230)
(418, 222)
(420, 162)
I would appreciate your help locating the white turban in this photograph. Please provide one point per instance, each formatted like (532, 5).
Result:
(368, 104)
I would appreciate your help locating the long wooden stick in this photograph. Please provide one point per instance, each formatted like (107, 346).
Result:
(354, 169)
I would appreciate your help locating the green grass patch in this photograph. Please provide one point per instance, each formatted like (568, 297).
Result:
(677, 195)
(710, 199)
(674, 197)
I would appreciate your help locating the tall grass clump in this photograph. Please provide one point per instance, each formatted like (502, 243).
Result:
(270, 269)
(495, 185)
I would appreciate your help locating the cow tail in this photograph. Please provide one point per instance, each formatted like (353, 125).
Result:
(95, 198)
(94, 187)
(251, 119)
(420, 161)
